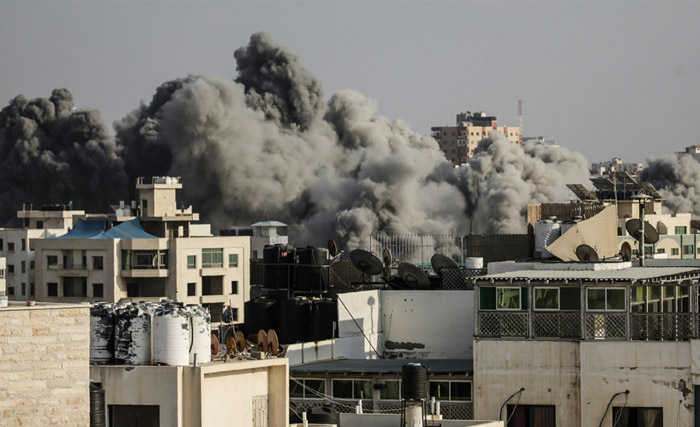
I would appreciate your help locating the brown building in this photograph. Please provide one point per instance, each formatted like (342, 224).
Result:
(459, 142)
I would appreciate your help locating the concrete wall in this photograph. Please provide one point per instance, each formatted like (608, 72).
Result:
(422, 324)
(44, 365)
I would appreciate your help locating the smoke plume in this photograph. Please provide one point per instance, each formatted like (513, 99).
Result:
(51, 153)
(677, 177)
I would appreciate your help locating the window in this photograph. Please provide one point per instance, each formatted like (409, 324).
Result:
(212, 258)
(530, 416)
(234, 287)
(674, 251)
(144, 206)
(24, 267)
(98, 290)
(633, 417)
(52, 289)
(605, 299)
(24, 289)
(74, 287)
(681, 230)
(31, 289)
(10, 268)
(451, 390)
(97, 263)
(234, 314)
(391, 390)
(10, 290)
(688, 250)
(24, 244)
(191, 261)
(660, 251)
(133, 415)
(1, 244)
(233, 260)
(352, 389)
(307, 388)
(191, 289)
(495, 298)
(212, 285)
(31, 265)
(52, 262)
(39, 224)
(2, 273)
(144, 260)
(546, 298)
(10, 247)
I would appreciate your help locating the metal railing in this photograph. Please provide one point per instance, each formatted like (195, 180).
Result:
(606, 326)
(557, 325)
(661, 326)
(503, 324)
(448, 410)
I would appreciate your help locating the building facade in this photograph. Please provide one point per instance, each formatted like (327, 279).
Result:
(615, 165)
(458, 142)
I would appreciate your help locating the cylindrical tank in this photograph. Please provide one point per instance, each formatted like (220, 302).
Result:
(310, 277)
(546, 232)
(278, 269)
(474, 262)
(171, 335)
(260, 313)
(414, 382)
(294, 320)
(97, 405)
(324, 315)
(132, 334)
(200, 322)
(567, 225)
(101, 333)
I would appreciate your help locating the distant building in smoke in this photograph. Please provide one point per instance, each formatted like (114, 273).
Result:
(459, 142)
(693, 150)
(262, 233)
(615, 165)
(540, 140)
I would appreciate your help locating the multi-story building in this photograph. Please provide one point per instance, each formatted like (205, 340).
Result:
(615, 165)
(459, 142)
(584, 344)
(15, 244)
(262, 233)
(693, 150)
(158, 254)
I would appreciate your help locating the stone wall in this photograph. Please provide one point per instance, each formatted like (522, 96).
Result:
(44, 365)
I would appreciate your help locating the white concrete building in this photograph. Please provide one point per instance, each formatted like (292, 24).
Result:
(159, 254)
(15, 245)
(587, 344)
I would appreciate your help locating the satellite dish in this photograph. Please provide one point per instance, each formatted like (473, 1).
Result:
(273, 343)
(262, 341)
(239, 341)
(413, 276)
(366, 262)
(332, 248)
(386, 256)
(586, 253)
(626, 252)
(441, 261)
(650, 234)
(214, 345)
(230, 346)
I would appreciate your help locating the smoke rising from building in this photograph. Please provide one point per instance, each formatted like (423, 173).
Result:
(51, 153)
(269, 145)
(678, 179)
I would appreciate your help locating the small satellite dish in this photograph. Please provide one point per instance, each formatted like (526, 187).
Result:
(626, 252)
(386, 256)
(214, 345)
(650, 234)
(230, 346)
(239, 341)
(439, 262)
(366, 262)
(586, 253)
(413, 276)
(332, 248)
(273, 343)
(262, 340)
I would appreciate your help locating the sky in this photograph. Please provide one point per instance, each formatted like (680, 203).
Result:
(607, 79)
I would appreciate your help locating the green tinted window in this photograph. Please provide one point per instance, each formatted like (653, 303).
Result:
(461, 391)
(596, 299)
(508, 298)
(314, 388)
(616, 299)
(342, 389)
(569, 299)
(638, 294)
(391, 390)
(440, 390)
(295, 389)
(547, 298)
(487, 298)
(363, 389)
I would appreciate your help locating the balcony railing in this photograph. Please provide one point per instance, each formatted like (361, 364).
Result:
(606, 326)
(661, 326)
(448, 410)
(503, 324)
(557, 325)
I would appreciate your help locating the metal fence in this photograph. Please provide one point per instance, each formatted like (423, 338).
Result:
(448, 410)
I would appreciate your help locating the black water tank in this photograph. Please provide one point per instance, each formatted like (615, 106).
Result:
(294, 320)
(324, 319)
(97, 405)
(310, 277)
(278, 266)
(414, 382)
(260, 313)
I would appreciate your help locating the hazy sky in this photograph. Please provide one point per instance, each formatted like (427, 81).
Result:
(605, 78)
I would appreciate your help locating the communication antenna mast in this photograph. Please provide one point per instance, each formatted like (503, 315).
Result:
(520, 116)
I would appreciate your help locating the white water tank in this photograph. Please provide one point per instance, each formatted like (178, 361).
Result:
(101, 333)
(201, 334)
(474, 262)
(568, 225)
(132, 334)
(546, 232)
(171, 335)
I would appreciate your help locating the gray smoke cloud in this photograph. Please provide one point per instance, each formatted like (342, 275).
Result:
(51, 153)
(677, 177)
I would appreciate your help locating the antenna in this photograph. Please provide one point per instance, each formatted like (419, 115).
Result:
(520, 117)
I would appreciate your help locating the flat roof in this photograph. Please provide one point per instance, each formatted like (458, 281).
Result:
(22, 305)
(632, 274)
(384, 366)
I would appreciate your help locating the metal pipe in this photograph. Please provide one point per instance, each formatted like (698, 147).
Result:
(500, 411)
(610, 403)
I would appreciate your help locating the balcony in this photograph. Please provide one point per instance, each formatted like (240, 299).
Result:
(72, 270)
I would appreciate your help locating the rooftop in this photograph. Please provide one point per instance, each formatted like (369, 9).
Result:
(631, 274)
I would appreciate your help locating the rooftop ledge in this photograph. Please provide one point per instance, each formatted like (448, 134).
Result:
(22, 305)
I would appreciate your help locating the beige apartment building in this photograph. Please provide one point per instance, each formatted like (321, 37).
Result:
(15, 247)
(459, 142)
(150, 251)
